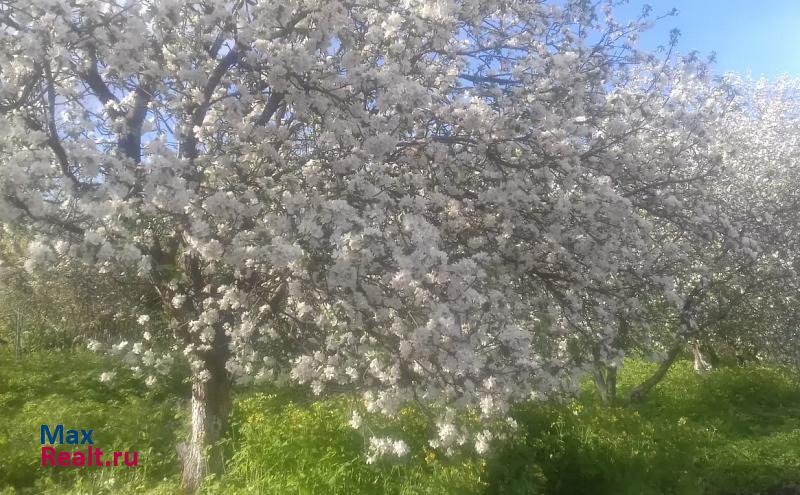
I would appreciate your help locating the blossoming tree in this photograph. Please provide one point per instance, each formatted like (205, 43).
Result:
(420, 201)
(752, 311)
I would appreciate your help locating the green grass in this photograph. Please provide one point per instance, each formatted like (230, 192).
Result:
(731, 431)
(57, 388)
(284, 444)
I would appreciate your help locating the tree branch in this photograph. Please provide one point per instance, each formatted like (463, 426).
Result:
(273, 103)
(50, 220)
(94, 80)
(53, 140)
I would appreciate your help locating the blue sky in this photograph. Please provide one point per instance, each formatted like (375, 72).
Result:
(762, 36)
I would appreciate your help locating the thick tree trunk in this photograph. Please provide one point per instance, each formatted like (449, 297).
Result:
(611, 383)
(605, 376)
(599, 383)
(700, 363)
(605, 380)
(641, 391)
(710, 354)
(211, 406)
(210, 410)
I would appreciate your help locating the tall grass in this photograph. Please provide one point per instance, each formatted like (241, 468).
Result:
(731, 431)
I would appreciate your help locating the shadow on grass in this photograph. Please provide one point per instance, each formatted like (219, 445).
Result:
(729, 432)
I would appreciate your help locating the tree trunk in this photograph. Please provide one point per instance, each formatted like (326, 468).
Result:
(611, 382)
(700, 364)
(202, 456)
(644, 388)
(600, 383)
(211, 406)
(711, 355)
(605, 380)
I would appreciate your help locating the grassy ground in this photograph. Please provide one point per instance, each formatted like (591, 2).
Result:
(732, 431)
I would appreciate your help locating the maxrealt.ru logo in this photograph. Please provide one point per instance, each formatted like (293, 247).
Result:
(91, 456)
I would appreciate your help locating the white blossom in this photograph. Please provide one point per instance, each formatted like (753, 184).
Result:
(380, 447)
(355, 420)
(107, 376)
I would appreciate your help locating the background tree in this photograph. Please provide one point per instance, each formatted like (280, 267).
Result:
(741, 282)
(60, 305)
